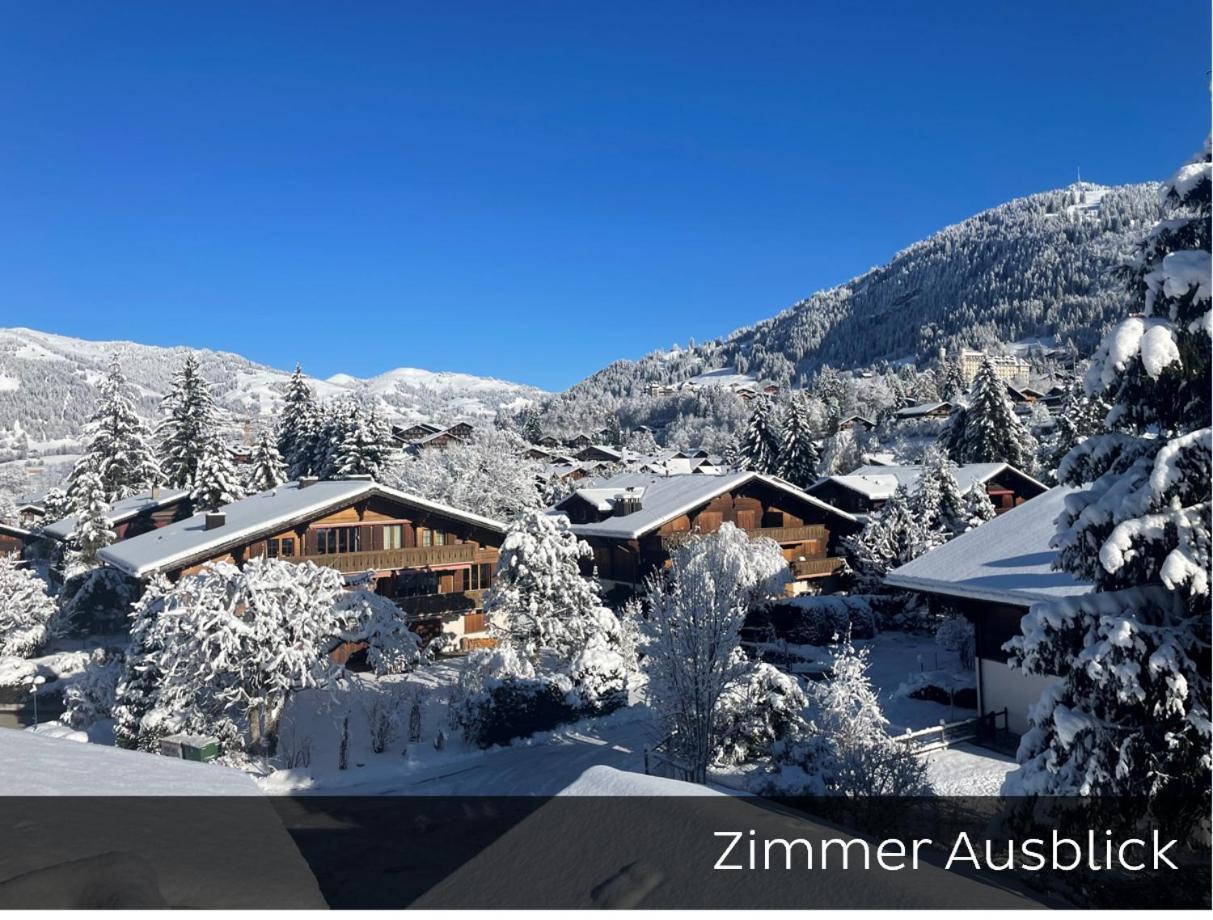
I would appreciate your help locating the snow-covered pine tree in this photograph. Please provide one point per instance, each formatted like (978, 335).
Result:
(117, 448)
(539, 599)
(27, 612)
(937, 499)
(977, 506)
(188, 424)
(297, 429)
(215, 480)
(266, 469)
(993, 433)
(893, 536)
(1130, 714)
(760, 444)
(530, 428)
(93, 531)
(798, 455)
(135, 693)
(363, 450)
(1082, 415)
(949, 380)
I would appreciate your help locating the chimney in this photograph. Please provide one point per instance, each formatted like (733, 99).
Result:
(156, 492)
(215, 519)
(305, 481)
(629, 502)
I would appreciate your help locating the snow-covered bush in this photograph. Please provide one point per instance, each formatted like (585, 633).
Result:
(820, 620)
(502, 697)
(600, 677)
(696, 611)
(231, 646)
(956, 634)
(392, 648)
(27, 612)
(98, 601)
(846, 749)
(758, 710)
(90, 696)
(893, 536)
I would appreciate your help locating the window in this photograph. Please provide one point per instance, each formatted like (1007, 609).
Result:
(439, 538)
(478, 577)
(427, 536)
(288, 546)
(393, 536)
(338, 540)
(271, 548)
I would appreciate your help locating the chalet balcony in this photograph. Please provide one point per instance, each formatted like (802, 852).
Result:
(384, 560)
(817, 568)
(430, 605)
(778, 534)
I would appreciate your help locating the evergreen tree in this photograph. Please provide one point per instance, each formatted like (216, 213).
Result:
(135, 694)
(893, 536)
(117, 449)
(993, 433)
(362, 449)
(298, 427)
(1082, 415)
(1130, 714)
(215, 479)
(93, 530)
(977, 506)
(950, 381)
(798, 456)
(189, 424)
(267, 469)
(614, 432)
(937, 499)
(530, 428)
(760, 443)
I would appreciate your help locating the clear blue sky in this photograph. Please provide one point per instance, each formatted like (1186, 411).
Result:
(531, 190)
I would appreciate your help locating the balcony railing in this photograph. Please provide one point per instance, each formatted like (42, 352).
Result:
(382, 560)
(428, 605)
(778, 534)
(817, 568)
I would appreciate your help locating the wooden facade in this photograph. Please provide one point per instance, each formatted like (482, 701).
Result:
(435, 567)
(154, 518)
(13, 540)
(809, 536)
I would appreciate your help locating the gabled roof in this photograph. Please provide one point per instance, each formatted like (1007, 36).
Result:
(9, 530)
(188, 541)
(907, 475)
(922, 409)
(121, 511)
(1007, 560)
(664, 498)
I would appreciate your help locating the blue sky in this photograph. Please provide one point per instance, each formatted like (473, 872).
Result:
(531, 190)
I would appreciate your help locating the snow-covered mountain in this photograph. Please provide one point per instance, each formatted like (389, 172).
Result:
(1036, 267)
(47, 386)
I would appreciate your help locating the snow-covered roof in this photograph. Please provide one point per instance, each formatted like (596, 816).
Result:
(184, 542)
(922, 409)
(122, 510)
(1007, 560)
(664, 498)
(872, 479)
(11, 530)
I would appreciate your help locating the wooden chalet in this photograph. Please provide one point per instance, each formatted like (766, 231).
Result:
(414, 432)
(924, 410)
(599, 452)
(856, 422)
(434, 561)
(579, 440)
(868, 487)
(632, 520)
(463, 430)
(441, 439)
(992, 575)
(133, 515)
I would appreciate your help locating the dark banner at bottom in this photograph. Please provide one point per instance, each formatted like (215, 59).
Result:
(699, 852)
